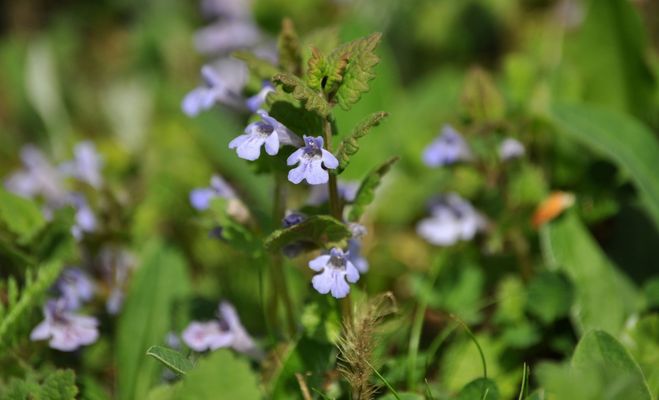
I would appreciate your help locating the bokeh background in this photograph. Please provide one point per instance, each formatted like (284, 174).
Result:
(115, 72)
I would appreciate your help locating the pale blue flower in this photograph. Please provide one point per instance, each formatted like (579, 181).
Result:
(255, 102)
(453, 219)
(66, 331)
(225, 36)
(448, 148)
(38, 178)
(216, 89)
(74, 287)
(268, 132)
(200, 198)
(311, 159)
(511, 148)
(336, 270)
(355, 247)
(86, 165)
(85, 220)
(230, 9)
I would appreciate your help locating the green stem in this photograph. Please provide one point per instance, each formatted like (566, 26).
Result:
(277, 262)
(332, 188)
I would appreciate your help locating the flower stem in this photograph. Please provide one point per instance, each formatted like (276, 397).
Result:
(332, 188)
(277, 262)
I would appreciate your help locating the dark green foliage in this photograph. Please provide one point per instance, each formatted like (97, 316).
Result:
(366, 192)
(549, 296)
(172, 359)
(58, 385)
(288, 43)
(311, 100)
(480, 389)
(349, 145)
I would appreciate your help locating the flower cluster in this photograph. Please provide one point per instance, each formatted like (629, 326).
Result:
(452, 219)
(448, 148)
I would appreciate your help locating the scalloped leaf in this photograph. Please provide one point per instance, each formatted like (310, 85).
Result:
(288, 44)
(260, 67)
(349, 145)
(366, 192)
(312, 100)
(361, 59)
(172, 359)
(321, 230)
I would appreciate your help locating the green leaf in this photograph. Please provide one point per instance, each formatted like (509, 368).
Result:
(359, 70)
(260, 67)
(22, 216)
(366, 192)
(549, 296)
(59, 385)
(598, 350)
(312, 100)
(481, 98)
(321, 230)
(288, 44)
(220, 376)
(610, 55)
(172, 359)
(480, 389)
(349, 145)
(146, 318)
(402, 396)
(605, 298)
(641, 338)
(622, 139)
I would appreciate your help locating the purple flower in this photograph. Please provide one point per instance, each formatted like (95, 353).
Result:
(200, 198)
(225, 36)
(511, 148)
(75, 287)
(255, 102)
(65, 330)
(85, 220)
(452, 219)
(311, 158)
(335, 268)
(86, 165)
(319, 194)
(37, 178)
(225, 332)
(116, 264)
(355, 247)
(215, 89)
(446, 149)
(268, 131)
(292, 218)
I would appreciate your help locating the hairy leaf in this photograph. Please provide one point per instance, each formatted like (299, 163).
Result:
(321, 230)
(172, 359)
(349, 145)
(220, 376)
(22, 216)
(361, 59)
(312, 100)
(261, 68)
(59, 385)
(288, 44)
(366, 192)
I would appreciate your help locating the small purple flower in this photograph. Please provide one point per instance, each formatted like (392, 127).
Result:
(116, 264)
(319, 194)
(311, 158)
(511, 148)
(75, 287)
(215, 89)
(355, 247)
(228, 331)
(37, 178)
(255, 102)
(292, 218)
(335, 268)
(66, 331)
(202, 336)
(268, 131)
(225, 36)
(447, 149)
(452, 219)
(86, 165)
(85, 220)
(200, 198)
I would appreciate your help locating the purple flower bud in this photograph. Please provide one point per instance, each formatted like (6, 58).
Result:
(447, 149)
(66, 331)
(85, 220)
(75, 288)
(335, 268)
(311, 158)
(452, 219)
(86, 165)
(511, 148)
(255, 102)
(200, 198)
(292, 218)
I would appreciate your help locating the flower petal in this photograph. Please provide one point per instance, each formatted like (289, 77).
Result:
(272, 144)
(315, 174)
(318, 263)
(295, 156)
(329, 160)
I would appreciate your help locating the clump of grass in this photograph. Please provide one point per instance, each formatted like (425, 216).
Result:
(358, 342)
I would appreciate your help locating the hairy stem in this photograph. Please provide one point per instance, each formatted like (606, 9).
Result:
(277, 262)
